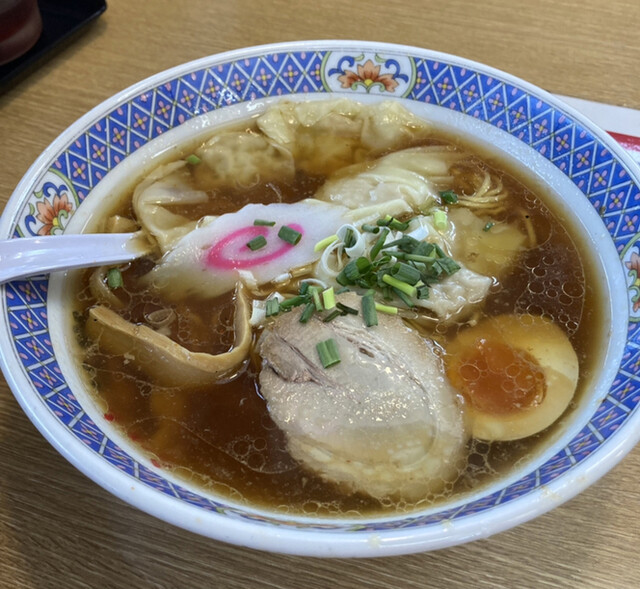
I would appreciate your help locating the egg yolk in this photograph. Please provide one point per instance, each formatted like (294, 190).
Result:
(497, 378)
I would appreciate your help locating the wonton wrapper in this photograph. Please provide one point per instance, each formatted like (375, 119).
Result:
(166, 362)
(241, 159)
(456, 294)
(326, 135)
(167, 185)
(412, 175)
(491, 252)
(228, 160)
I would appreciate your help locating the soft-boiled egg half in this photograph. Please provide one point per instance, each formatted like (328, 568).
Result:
(517, 373)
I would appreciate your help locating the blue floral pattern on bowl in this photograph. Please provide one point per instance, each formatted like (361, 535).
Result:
(222, 81)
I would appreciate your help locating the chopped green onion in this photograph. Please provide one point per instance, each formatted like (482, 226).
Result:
(328, 352)
(488, 226)
(377, 246)
(353, 271)
(405, 273)
(342, 279)
(449, 197)
(293, 302)
(388, 309)
(346, 310)
(415, 258)
(403, 297)
(329, 298)
(407, 289)
(308, 311)
(114, 278)
(399, 225)
(349, 237)
(331, 316)
(369, 312)
(384, 222)
(315, 295)
(440, 220)
(272, 307)
(193, 159)
(367, 228)
(439, 252)
(263, 223)
(424, 248)
(257, 243)
(448, 265)
(406, 244)
(304, 288)
(324, 243)
(422, 292)
(289, 235)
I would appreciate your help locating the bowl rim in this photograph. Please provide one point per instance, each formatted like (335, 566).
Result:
(292, 540)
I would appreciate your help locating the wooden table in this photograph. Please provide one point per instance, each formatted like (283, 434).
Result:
(59, 529)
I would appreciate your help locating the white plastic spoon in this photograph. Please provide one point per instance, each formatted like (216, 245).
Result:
(39, 255)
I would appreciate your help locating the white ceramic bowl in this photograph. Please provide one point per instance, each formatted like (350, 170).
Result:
(597, 183)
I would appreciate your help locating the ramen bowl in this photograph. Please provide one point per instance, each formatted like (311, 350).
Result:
(596, 183)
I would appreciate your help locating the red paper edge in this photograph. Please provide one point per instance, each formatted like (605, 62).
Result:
(627, 141)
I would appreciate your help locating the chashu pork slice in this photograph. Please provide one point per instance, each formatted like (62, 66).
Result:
(384, 421)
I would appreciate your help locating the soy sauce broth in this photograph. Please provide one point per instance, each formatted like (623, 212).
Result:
(222, 439)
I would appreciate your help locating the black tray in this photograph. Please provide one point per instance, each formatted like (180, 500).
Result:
(61, 20)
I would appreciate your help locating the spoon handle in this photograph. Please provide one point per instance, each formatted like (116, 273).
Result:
(38, 255)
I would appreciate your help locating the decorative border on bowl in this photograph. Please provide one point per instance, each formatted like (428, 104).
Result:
(105, 142)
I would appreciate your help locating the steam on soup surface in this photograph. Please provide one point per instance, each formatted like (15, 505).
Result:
(342, 311)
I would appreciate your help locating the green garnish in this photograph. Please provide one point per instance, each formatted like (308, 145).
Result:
(324, 243)
(388, 309)
(447, 265)
(369, 312)
(293, 302)
(449, 197)
(384, 222)
(308, 311)
(328, 352)
(349, 237)
(329, 298)
(257, 243)
(406, 273)
(440, 220)
(315, 296)
(404, 267)
(193, 159)
(263, 223)
(353, 271)
(404, 287)
(405, 244)
(114, 278)
(289, 235)
(422, 292)
(272, 307)
(403, 297)
(346, 310)
(378, 245)
(488, 226)
(393, 223)
(331, 316)
(399, 225)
